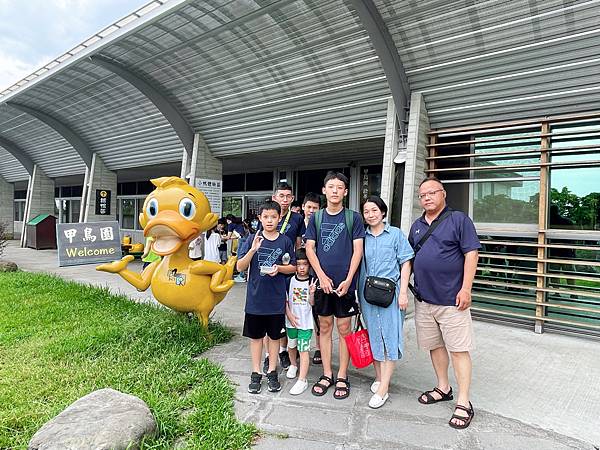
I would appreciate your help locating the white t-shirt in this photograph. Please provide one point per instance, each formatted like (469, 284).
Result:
(195, 247)
(298, 303)
(211, 247)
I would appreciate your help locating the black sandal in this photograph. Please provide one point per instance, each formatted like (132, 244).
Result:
(431, 399)
(323, 387)
(317, 357)
(345, 390)
(467, 420)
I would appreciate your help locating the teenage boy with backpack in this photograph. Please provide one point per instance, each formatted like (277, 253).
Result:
(334, 246)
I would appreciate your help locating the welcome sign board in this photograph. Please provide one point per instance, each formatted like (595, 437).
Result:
(87, 243)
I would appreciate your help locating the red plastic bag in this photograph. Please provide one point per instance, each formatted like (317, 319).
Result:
(359, 346)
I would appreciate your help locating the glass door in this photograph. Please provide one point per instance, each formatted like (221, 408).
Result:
(253, 202)
(233, 205)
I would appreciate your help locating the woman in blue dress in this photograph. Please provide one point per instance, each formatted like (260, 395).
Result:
(387, 254)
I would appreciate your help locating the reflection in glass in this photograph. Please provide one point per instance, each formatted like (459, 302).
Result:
(575, 198)
(514, 198)
(506, 202)
(232, 205)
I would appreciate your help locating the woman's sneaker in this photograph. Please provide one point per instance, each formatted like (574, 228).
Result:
(255, 383)
(273, 381)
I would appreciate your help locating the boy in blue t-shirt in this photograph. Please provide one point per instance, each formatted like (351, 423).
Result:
(292, 225)
(263, 255)
(334, 252)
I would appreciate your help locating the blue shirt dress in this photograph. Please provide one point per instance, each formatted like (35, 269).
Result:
(384, 256)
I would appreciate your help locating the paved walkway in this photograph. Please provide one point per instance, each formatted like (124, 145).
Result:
(529, 391)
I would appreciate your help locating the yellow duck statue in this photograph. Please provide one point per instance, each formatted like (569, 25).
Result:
(174, 214)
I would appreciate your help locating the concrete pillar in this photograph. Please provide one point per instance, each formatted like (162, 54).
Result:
(203, 165)
(390, 150)
(99, 178)
(416, 152)
(40, 198)
(186, 163)
(7, 204)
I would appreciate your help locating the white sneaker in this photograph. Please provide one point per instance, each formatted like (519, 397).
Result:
(291, 372)
(377, 401)
(299, 387)
(375, 386)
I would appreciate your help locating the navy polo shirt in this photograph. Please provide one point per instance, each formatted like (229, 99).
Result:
(439, 265)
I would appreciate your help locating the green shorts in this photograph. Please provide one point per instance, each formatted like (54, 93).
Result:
(300, 338)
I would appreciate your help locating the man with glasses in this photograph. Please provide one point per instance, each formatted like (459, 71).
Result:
(444, 267)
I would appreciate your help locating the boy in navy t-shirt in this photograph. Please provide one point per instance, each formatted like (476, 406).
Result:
(334, 251)
(264, 255)
(292, 225)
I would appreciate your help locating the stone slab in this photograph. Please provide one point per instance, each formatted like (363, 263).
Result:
(308, 418)
(277, 443)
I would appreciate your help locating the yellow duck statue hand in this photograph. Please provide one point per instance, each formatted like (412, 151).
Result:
(174, 214)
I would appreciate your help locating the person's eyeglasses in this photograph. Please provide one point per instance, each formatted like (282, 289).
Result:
(429, 194)
(286, 197)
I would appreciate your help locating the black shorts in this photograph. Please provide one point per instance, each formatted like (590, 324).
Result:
(332, 305)
(257, 326)
(316, 319)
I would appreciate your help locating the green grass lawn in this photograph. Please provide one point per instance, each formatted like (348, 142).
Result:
(60, 341)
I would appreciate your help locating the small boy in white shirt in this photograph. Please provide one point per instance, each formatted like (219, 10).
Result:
(299, 320)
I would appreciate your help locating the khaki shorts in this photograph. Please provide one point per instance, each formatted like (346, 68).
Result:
(439, 326)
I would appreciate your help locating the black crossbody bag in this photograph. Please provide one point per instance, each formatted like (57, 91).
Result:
(379, 291)
(416, 247)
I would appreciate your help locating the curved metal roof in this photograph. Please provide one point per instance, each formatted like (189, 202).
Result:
(269, 75)
(249, 76)
(496, 60)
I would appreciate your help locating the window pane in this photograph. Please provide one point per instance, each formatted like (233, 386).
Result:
(139, 206)
(571, 137)
(145, 187)
(261, 181)
(577, 281)
(75, 206)
(234, 183)
(65, 207)
(506, 202)
(575, 198)
(232, 205)
(506, 275)
(76, 191)
(19, 211)
(128, 213)
(127, 188)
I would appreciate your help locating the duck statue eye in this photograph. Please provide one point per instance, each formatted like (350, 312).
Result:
(187, 208)
(152, 208)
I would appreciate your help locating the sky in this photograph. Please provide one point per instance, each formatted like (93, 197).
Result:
(34, 32)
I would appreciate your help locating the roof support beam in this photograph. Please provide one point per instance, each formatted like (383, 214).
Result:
(168, 110)
(18, 153)
(388, 56)
(67, 133)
